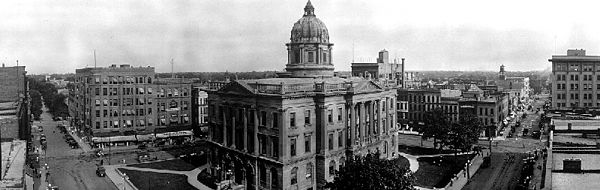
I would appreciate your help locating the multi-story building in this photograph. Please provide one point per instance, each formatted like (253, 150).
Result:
(418, 102)
(517, 87)
(294, 133)
(383, 69)
(122, 104)
(14, 103)
(575, 80)
(113, 101)
(200, 109)
(491, 111)
(174, 113)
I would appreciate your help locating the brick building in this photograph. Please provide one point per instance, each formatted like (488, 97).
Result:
(122, 104)
(575, 80)
(294, 132)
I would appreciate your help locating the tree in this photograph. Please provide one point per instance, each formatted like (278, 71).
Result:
(437, 126)
(465, 133)
(372, 172)
(36, 104)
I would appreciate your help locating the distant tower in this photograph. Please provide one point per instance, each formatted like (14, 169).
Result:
(502, 73)
(309, 50)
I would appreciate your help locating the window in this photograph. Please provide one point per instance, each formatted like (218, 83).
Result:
(330, 141)
(97, 113)
(340, 139)
(263, 118)
(292, 119)
(97, 125)
(324, 57)
(275, 179)
(275, 120)
(309, 171)
(340, 113)
(275, 145)
(330, 116)
(331, 168)
(307, 139)
(97, 90)
(294, 176)
(104, 91)
(296, 57)
(307, 115)
(293, 146)
(263, 174)
(311, 57)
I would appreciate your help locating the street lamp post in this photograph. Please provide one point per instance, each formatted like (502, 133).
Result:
(124, 177)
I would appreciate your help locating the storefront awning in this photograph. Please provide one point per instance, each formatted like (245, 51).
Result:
(148, 137)
(175, 134)
(114, 139)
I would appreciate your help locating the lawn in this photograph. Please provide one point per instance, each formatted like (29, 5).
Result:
(175, 164)
(415, 150)
(438, 174)
(151, 180)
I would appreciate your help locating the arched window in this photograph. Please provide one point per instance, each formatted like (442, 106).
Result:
(309, 171)
(294, 176)
(331, 167)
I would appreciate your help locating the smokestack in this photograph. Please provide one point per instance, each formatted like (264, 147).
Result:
(403, 82)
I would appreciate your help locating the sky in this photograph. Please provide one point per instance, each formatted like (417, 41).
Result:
(60, 36)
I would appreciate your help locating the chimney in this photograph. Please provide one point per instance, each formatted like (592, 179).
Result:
(403, 82)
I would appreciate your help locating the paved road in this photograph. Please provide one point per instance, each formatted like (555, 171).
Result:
(504, 171)
(69, 168)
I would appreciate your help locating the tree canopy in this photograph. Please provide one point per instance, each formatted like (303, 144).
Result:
(459, 135)
(372, 172)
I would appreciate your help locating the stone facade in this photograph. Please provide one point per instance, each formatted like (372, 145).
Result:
(294, 132)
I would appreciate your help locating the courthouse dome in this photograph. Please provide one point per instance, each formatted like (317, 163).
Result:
(309, 29)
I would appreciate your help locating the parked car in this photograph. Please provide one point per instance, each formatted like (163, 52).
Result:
(100, 171)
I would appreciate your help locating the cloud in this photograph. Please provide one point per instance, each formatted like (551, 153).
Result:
(60, 36)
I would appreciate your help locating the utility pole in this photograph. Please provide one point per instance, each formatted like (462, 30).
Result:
(94, 58)
(172, 73)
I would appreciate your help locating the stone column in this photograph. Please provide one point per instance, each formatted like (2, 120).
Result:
(352, 122)
(256, 143)
(224, 126)
(233, 128)
(362, 121)
(245, 118)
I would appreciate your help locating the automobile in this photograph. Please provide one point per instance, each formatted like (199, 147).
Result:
(40, 129)
(43, 138)
(100, 171)
(74, 146)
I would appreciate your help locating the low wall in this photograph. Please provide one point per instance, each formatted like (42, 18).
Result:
(461, 179)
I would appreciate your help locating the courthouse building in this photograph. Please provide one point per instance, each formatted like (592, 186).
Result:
(295, 131)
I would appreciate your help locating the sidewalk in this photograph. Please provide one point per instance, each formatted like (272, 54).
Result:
(84, 146)
(117, 178)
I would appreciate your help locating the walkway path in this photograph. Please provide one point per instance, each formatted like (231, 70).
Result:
(192, 175)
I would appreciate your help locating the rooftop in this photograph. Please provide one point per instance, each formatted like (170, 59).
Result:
(13, 162)
(292, 86)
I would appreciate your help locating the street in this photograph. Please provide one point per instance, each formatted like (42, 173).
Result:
(70, 169)
(508, 154)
